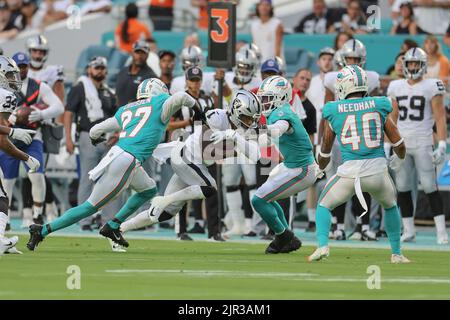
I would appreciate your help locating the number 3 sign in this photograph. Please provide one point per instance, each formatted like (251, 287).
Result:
(222, 34)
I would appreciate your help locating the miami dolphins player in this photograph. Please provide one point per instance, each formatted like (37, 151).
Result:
(296, 173)
(142, 124)
(359, 123)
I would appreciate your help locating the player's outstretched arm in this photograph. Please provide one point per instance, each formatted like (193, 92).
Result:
(326, 145)
(109, 125)
(175, 103)
(392, 133)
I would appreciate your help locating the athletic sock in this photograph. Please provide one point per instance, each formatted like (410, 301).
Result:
(280, 213)
(269, 214)
(408, 225)
(3, 223)
(311, 215)
(365, 227)
(439, 221)
(37, 211)
(323, 224)
(341, 226)
(393, 228)
(70, 217)
(132, 204)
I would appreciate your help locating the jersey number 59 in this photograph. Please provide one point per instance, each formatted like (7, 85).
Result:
(128, 115)
(370, 131)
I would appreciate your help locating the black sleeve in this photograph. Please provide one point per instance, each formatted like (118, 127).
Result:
(310, 123)
(75, 98)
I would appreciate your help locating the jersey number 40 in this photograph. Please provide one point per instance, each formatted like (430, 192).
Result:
(143, 113)
(370, 132)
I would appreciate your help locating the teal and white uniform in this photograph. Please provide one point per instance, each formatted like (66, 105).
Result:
(143, 124)
(359, 128)
(298, 170)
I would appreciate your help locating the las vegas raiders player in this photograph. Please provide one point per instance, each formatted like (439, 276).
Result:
(421, 106)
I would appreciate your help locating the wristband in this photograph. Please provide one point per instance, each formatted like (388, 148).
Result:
(399, 142)
(324, 155)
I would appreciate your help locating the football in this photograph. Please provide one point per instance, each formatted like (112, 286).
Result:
(22, 114)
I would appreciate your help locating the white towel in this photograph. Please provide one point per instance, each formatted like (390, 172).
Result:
(112, 154)
(93, 102)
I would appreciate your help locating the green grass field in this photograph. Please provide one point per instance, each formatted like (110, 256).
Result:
(158, 269)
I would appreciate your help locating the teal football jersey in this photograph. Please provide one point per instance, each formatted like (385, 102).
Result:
(142, 128)
(359, 126)
(295, 146)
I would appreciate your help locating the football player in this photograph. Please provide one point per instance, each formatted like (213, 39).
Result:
(190, 159)
(359, 123)
(53, 75)
(32, 94)
(353, 52)
(421, 106)
(296, 173)
(142, 124)
(9, 84)
(243, 76)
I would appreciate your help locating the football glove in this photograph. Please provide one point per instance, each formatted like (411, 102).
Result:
(35, 115)
(395, 162)
(218, 136)
(23, 135)
(438, 155)
(33, 164)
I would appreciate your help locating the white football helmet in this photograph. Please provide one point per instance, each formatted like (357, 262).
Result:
(151, 87)
(415, 55)
(9, 74)
(245, 103)
(273, 93)
(338, 60)
(246, 65)
(38, 43)
(254, 48)
(281, 65)
(349, 80)
(190, 57)
(354, 49)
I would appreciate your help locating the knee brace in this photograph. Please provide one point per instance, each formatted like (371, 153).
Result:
(4, 204)
(436, 203)
(406, 204)
(208, 191)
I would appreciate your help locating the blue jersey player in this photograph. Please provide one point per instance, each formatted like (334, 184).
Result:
(141, 124)
(359, 123)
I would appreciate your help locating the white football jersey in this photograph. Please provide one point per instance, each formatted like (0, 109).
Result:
(414, 103)
(48, 74)
(8, 101)
(217, 120)
(373, 80)
(179, 83)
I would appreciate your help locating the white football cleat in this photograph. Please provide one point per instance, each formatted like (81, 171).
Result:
(8, 243)
(13, 250)
(116, 247)
(399, 258)
(442, 239)
(408, 238)
(319, 254)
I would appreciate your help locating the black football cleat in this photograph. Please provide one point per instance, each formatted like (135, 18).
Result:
(281, 243)
(293, 245)
(184, 237)
(113, 234)
(35, 236)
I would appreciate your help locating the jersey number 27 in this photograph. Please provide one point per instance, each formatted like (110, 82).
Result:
(351, 135)
(143, 113)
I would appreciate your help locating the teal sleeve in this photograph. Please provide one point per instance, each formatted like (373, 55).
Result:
(117, 116)
(385, 106)
(326, 112)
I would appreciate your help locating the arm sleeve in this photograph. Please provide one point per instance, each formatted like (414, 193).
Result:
(278, 128)
(55, 106)
(174, 103)
(109, 125)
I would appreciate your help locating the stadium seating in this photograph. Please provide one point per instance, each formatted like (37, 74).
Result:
(116, 62)
(89, 53)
